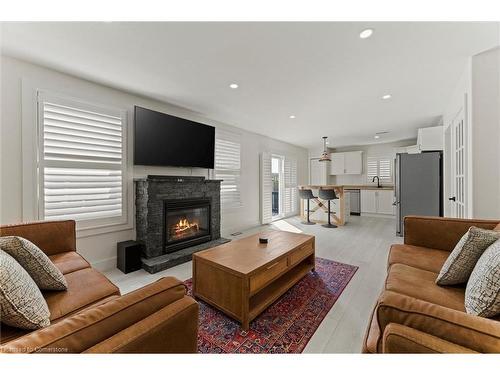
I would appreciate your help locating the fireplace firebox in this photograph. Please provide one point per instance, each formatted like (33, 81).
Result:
(186, 223)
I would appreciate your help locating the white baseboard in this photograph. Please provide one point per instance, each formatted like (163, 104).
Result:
(377, 215)
(226, 232)
(105, 264)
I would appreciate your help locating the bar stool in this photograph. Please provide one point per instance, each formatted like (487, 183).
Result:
(329, 195)
(307, 194)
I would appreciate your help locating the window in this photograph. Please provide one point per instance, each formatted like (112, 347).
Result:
(228, 167)
(379, 166)
(81, 163)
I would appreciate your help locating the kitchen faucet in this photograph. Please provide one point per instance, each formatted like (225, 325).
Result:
(378, 180)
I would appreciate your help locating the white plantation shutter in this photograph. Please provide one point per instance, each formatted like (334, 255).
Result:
(385, 169)
(381, 167)
(81, 161)
(228, 167)
(266, 188)
(290, 188)
(372, 167)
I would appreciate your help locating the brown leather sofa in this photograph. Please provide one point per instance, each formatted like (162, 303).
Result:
(91, 316)
(413, 314)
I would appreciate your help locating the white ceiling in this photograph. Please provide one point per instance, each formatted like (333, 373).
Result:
(322, 73)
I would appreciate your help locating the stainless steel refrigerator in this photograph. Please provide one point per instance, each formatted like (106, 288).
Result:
(418, 186)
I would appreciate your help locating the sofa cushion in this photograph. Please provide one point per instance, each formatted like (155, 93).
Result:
(463, 258)
(8, 333)
(21, 302)
(482, 295)
(69, 261)
(34, 261)
(418, 257)
(457, 327)
(421, 284)
(85, 287)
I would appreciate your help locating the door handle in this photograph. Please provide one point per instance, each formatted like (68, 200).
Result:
(452, 199)
(395, 203)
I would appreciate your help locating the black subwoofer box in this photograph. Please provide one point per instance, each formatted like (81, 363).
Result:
(129, 256)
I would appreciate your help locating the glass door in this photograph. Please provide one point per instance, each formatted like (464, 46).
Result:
(277, 176)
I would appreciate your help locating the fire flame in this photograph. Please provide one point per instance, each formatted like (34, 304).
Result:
(184, 225)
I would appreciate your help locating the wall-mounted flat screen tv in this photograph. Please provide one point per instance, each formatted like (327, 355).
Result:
(166, 140)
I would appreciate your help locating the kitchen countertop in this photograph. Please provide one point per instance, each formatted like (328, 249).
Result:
(361, 187)
(369, 187)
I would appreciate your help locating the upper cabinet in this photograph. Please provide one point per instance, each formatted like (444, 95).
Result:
(346, 163)
(337, 163)
(430, 139)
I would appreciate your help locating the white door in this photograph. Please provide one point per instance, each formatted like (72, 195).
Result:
(385, 202)
(368, 202)
(458, 175)
(353, 162)
(337, 165)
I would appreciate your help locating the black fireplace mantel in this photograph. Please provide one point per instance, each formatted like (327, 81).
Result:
(150, 194)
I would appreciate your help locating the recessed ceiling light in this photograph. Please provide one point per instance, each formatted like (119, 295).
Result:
(366, 33)
(233, 85)
(387, 96)
(292, 116)
(377, 137)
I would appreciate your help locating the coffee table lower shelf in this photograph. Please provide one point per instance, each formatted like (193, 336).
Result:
(264, 298)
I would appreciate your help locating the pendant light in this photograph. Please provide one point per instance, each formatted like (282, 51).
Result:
(325, 156)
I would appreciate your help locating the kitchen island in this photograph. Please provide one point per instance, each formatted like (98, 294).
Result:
(316, 204)
(338, 214)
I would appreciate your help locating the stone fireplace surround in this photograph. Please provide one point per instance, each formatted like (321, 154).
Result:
(150, 194)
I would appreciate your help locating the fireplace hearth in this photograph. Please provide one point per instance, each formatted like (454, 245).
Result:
(186, 223)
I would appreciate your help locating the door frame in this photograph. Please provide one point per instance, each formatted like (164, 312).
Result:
(450, 163)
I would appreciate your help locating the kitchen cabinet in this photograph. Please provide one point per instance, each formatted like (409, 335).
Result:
(430, 139)
(385, 201)
(346, 163)
(377, 202)
(368, 201)
(353, 162)
(337, 163)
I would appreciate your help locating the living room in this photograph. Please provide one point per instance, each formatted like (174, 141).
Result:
(250, 187)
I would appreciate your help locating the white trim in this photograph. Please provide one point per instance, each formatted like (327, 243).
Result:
(29, 146)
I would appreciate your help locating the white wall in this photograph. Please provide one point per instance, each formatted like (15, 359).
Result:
(375, 150)
(486, 134)
(478, 92)
(100, 250)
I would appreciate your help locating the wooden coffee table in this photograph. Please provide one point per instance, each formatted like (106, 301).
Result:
(243, 277)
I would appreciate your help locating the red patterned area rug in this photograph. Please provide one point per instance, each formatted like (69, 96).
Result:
(284, 327)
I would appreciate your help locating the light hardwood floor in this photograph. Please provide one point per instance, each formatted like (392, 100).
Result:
(363, 242)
